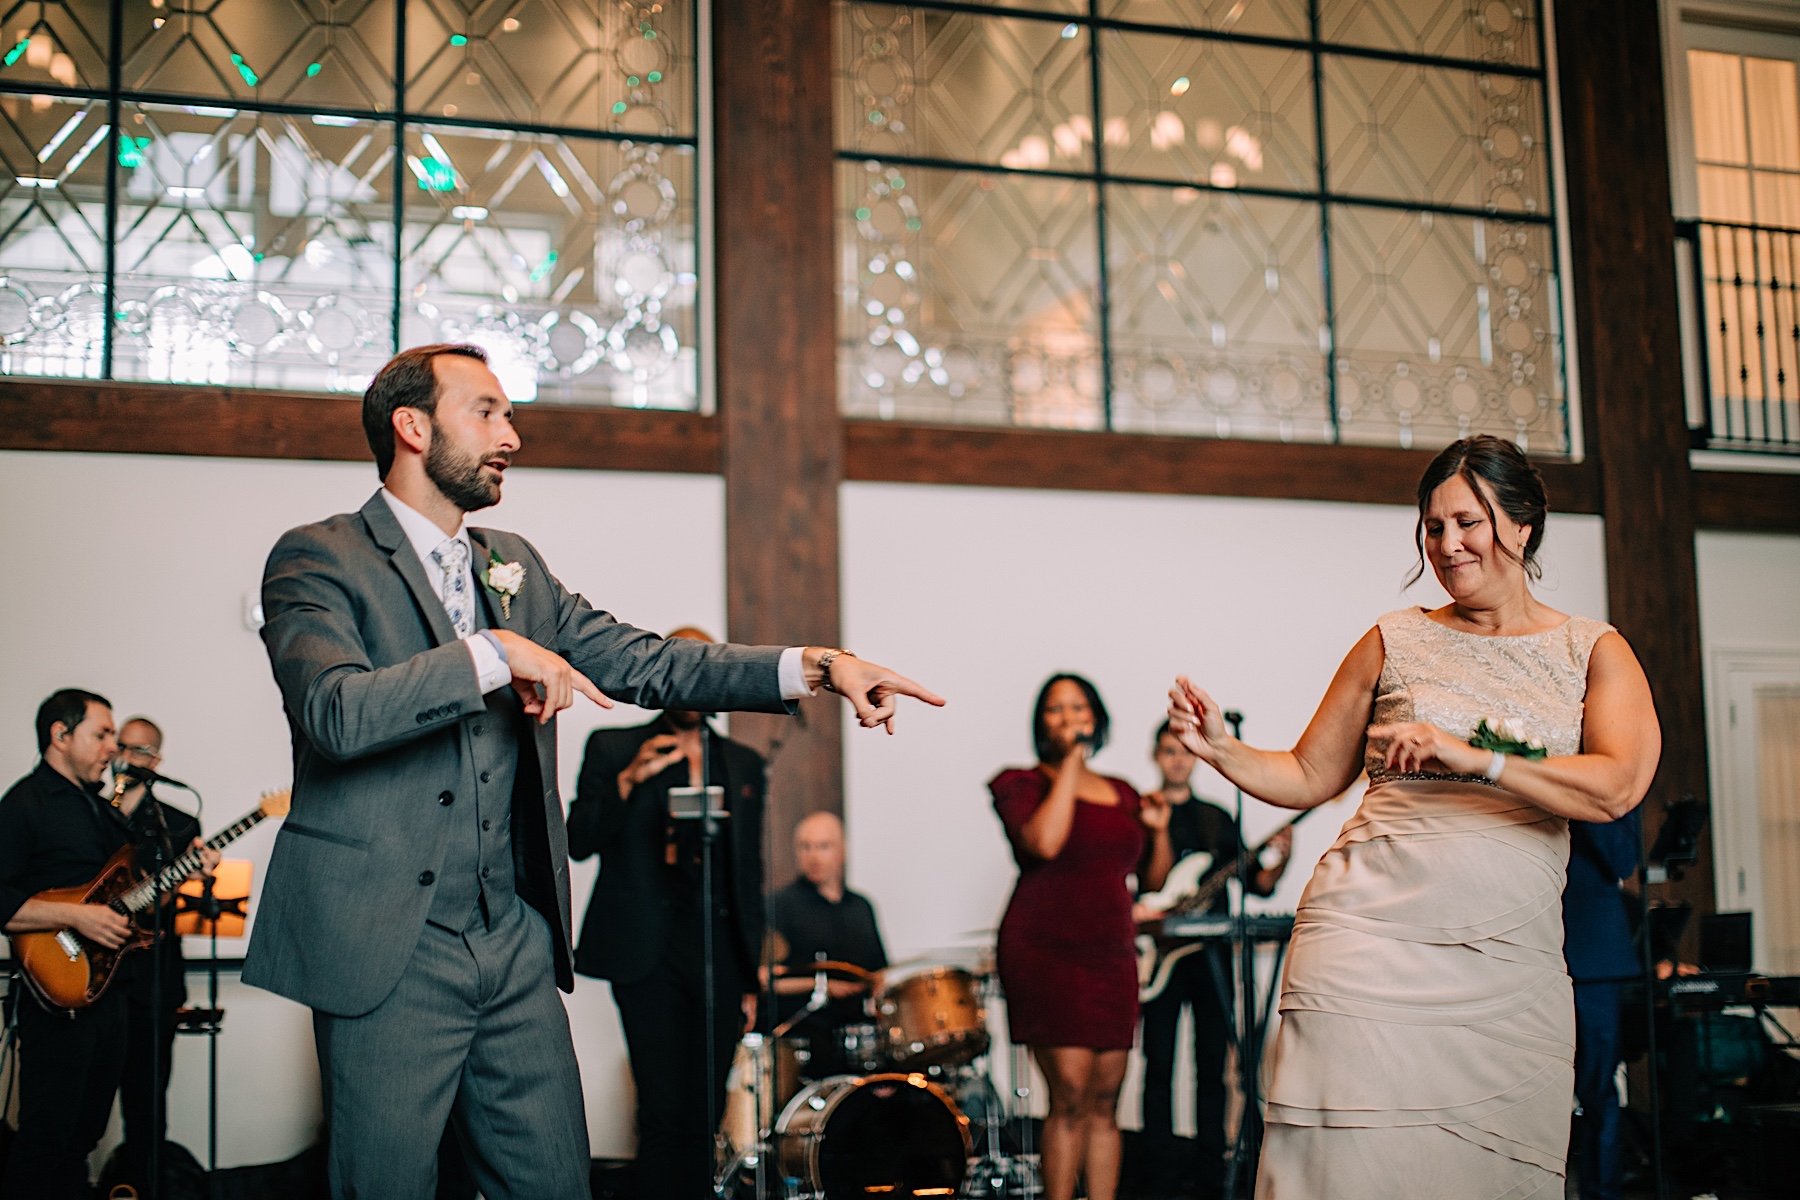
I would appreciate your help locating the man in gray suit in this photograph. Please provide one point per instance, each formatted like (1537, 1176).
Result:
(417, 898)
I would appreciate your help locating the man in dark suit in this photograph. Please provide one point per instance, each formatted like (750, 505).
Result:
(647, 931)
(417, 898)
(1597, 944)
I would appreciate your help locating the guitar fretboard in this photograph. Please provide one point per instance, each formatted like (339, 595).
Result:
(144, 894)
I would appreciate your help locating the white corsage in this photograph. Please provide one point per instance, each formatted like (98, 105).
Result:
(1508, 735)
(504, 579)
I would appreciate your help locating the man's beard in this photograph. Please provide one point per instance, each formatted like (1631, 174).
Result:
(458, 475)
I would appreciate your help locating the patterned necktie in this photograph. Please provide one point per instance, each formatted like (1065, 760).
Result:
(453, 557)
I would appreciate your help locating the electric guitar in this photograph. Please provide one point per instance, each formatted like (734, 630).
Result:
(1192, 886)
(66, 970)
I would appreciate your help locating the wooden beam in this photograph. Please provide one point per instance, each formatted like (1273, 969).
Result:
(1180, 466)
(1616, 154)
(1747, 501)
(776, 289)
(149, 418)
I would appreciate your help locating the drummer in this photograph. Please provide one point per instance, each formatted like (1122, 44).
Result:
(820, 919)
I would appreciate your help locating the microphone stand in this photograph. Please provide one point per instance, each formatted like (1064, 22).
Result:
(1248, 1143)
(709, 829)
(160, 926)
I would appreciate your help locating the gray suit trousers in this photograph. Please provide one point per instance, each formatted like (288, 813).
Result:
(475, 1033)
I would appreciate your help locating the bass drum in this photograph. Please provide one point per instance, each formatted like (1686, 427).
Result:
(859, 1136)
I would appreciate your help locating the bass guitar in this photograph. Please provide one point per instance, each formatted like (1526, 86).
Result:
(68, 971)
(1192, 886)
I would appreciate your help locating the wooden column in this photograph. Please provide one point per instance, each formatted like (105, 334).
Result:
(781, 439)
(1609, 56)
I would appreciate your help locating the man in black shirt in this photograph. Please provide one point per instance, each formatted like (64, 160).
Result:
(157, 986)
(55, 831)
(1204, 982)
(819, 917)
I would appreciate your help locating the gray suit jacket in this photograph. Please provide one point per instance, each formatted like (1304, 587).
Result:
(379, 696)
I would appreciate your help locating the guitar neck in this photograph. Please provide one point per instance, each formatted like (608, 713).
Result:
(144, 894)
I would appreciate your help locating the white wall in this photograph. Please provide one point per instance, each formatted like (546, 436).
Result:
(131, 575)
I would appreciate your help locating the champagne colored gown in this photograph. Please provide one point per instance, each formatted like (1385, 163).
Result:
(1426, 1047)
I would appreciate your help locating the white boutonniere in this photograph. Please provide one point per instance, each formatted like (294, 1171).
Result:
(504, 579)
(1507, 735)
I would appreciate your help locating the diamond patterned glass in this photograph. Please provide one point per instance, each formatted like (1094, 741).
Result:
(1217, 315)
(1206, 246)
(288, 211)
(570, 259)
(1263, 18)
(974, 297)
(52, 227)
(1446, 326)
(1494, 31)
(998, 91)
(1435, 136)
(253, 249)
(1187, 109)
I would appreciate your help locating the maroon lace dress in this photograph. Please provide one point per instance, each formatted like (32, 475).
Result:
(1066, 957)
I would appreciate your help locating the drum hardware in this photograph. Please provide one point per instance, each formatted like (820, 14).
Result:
(999, 1174)
(853, 1136)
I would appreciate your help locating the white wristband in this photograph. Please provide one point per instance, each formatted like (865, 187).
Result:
(1495, 765)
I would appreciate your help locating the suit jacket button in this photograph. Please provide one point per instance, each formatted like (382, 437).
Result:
(485, 777)
(479, 729)
(426, 879)
(486, 825)
(446, 798)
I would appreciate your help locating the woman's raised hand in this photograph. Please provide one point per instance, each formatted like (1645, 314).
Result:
(1196, 720)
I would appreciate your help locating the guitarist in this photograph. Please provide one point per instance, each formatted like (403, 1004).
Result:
(1201, 981)
(56, 830)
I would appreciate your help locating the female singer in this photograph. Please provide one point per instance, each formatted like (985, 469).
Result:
(1427, 1034)
(1065, 955)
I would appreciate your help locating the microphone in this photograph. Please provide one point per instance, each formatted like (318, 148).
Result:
(1233, 716)
(1085, 739)
(146, 775)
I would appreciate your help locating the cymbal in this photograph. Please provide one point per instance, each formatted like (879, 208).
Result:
(829, 967)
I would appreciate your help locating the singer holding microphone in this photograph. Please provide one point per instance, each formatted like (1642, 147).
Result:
(1065, 955)
(647, 932)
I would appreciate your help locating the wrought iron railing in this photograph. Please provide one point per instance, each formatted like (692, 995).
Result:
(1745, 291)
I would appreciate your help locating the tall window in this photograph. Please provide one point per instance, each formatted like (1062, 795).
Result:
(1746, 161)
(1312, 220)
(278, 194)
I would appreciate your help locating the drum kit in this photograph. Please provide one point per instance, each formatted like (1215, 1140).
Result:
(896, 1121)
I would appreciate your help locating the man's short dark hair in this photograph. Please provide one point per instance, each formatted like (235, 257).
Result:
(66, 707)
(141, 719)
(409, 380)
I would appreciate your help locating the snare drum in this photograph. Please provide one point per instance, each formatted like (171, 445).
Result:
(848, 1138)
(933, 1017)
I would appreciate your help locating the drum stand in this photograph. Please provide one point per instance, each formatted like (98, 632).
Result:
(998, 1175)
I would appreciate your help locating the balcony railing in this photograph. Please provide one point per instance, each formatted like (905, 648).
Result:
(1744, 288)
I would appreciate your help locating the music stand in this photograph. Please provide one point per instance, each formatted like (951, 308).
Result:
(213, 906)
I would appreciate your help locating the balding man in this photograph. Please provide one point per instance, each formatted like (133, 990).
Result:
(820, 918)
(646, 932)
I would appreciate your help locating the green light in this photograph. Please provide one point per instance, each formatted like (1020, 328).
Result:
(16, 53)
(457, 39)
(544, 268)
(897, 182)
(876, 117)
(649, 33)
(237, 60)
(862, 214)
(131, 150)
(915, 224)
(313, 69)
(258, 256)
(632, 81)
(618, 106)
(655, 77)
(438, 177)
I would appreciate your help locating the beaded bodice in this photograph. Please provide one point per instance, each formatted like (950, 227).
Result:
(1452, 679)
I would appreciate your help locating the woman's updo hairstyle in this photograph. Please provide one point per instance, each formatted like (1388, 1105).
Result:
(1515, 483)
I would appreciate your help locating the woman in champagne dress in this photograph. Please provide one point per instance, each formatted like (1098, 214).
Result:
(1426, 1047)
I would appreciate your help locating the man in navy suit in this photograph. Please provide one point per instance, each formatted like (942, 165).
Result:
(1597, 944)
